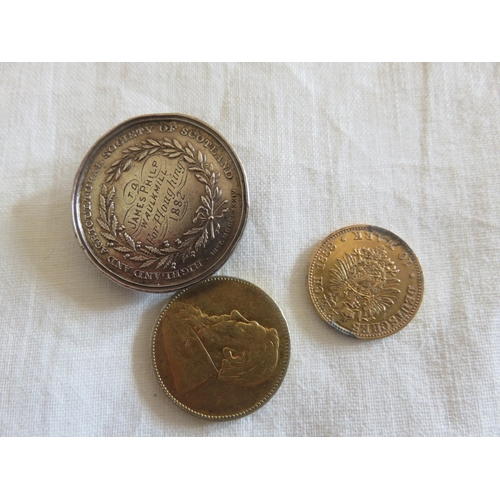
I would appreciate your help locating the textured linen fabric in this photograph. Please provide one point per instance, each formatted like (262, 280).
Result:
(413, 148)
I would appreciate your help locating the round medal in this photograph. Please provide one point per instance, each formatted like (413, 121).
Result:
(160, 202)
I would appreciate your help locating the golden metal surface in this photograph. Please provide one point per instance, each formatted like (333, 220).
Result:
(365, 281)
(221, 348)
(160, 202)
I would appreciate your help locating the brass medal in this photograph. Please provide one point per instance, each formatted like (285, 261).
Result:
(365, 281)
(160, 202)
(221, 348)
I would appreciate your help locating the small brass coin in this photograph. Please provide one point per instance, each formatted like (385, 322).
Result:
(365, 281)
(160, 202)
(221, 348)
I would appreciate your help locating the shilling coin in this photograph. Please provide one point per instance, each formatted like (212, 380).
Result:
(160, 202)
(365, 281)
(221, 348)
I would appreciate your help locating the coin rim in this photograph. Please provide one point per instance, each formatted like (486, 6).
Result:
(84, 167)
(272, 392)
(333, 324)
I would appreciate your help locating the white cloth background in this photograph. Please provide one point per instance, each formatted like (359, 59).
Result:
(412, 148)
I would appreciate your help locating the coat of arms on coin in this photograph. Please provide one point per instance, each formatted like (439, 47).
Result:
(221, 348)
(365, 281)
(160, 202)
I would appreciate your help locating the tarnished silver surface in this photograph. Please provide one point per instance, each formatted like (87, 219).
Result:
(160, 202)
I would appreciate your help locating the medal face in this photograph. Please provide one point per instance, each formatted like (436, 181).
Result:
(160, 202)
(221, 348)
(365, 282)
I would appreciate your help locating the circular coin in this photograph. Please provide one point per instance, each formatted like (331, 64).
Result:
(221, 348)
(160, 202)
(365, 281)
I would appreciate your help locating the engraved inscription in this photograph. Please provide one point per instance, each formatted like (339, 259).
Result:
(86, 209)
(168, 208)
(170, 275)
(370, 286)
(323, 254)
(118, 264)
(318, 285)
(207, 143)
(370, 236)
(230, 222)
(126, 137)
(155, 199)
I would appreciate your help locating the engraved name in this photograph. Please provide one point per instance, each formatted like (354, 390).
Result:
(156, 199)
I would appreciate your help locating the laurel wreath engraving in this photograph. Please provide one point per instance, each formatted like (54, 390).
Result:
(364, 283)
(206, 215)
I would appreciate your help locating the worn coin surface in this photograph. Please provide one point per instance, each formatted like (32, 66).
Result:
(221, 348)
(365, 281)
(160, 202)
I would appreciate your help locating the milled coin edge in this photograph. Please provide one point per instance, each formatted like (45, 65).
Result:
(262, 402)
(401, 242)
